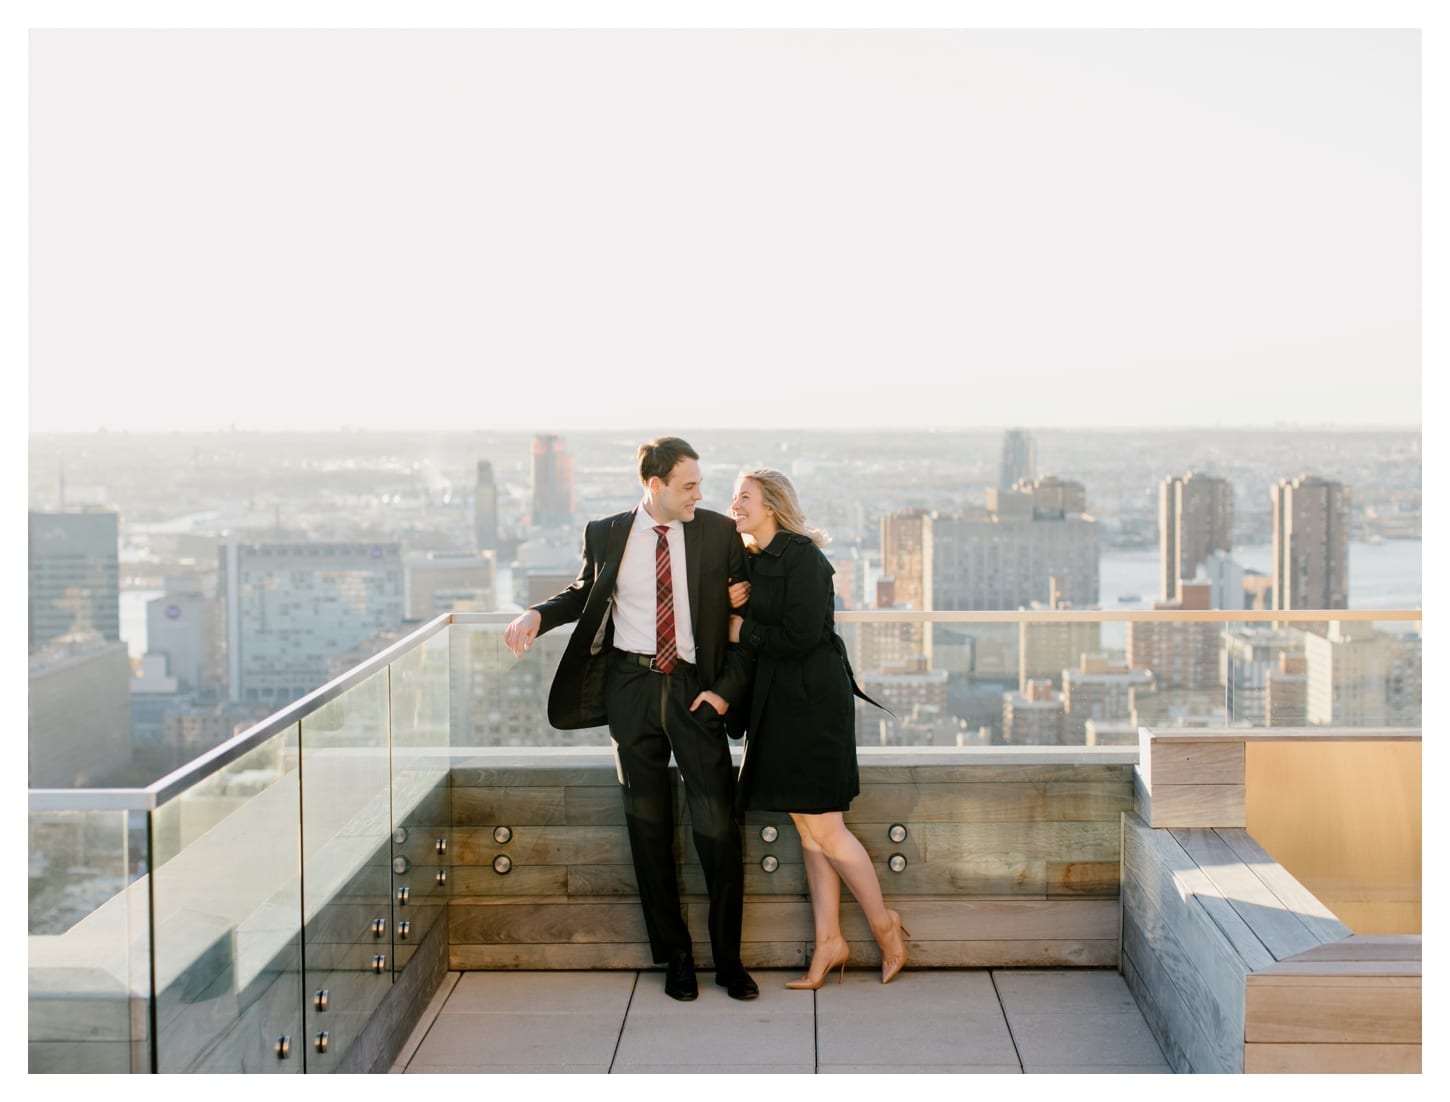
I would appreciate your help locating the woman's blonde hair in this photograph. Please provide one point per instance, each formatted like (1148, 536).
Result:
(779, 496)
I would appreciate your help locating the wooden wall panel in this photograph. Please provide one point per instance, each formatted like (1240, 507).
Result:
(1332, 1059)
(1334, 1010)
(1198, 805)
(1008, 863)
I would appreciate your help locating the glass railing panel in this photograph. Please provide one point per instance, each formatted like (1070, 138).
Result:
(346, 842)
(1323, 673)
(995, 679)
(227, 892)
(419, 703)
(499, 700)
(89, 941)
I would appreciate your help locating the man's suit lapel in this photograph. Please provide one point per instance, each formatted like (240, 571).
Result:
(601, 596)
(614, 546)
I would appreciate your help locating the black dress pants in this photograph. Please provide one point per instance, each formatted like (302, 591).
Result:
(649, 716)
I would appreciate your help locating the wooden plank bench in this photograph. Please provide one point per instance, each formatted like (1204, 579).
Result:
(1352, 1005)
(1236, 964)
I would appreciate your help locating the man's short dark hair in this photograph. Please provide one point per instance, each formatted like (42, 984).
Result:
(658, 458)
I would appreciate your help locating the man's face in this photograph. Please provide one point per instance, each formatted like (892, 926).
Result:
(675, 497)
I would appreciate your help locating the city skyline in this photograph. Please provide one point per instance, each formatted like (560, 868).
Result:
(816, 228)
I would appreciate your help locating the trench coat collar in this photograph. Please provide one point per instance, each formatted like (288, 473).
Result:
(779, 542)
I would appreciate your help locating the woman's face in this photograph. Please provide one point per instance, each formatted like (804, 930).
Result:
(748, 507)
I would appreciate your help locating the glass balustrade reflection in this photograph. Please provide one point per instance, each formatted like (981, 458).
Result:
(421, 817)
(962, 681)
(227, 892)
(499, 700)
(89, 944)
(346, 875)
(1322, 673)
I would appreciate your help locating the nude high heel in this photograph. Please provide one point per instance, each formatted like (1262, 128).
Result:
(811, 982)
(894, 953)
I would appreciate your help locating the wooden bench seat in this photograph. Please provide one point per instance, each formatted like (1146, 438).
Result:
(1237, 965)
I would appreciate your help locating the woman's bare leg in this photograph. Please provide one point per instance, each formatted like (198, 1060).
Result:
(825, 888)
(850, 861)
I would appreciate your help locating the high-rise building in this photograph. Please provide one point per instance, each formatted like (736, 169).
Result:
(904, 551)
(1052, 498)
(75, 577)
(1285, 691)
(553, 482)
(1034, 716)
(1183, 654)
(288, 607)
(1195, 518)
(181, 626)
(485, 509)
(916, 697)
(1358, 676)
(905, 548)
(1311, 544)
(1046, 649)
(435, 582)
(1254, 655)
(1011, 556)
(1019, 459)
(80, 713)
(1101, 689)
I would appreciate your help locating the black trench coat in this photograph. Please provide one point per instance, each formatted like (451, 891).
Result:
(800, 738)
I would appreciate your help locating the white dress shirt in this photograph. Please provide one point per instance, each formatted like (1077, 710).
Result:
(634, 591)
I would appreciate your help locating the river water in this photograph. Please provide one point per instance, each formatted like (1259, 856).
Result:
(1381, 575)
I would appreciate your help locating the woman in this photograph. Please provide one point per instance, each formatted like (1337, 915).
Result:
(800, 751)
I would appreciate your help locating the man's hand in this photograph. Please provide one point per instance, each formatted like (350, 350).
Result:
(519, 635)
(715, 700)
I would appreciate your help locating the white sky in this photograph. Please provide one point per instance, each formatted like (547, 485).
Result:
(558, 229)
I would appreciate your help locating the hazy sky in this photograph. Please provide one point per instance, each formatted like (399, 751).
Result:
(561, 229)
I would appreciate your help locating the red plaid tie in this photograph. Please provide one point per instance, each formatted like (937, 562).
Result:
(665, 652)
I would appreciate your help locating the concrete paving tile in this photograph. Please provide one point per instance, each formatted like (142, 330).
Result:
(945, 1018)
(542, 993)
(425, 1020)
(488, 1041)
(1085, 1040)
(914, 1039)
(725, 1033)
(508, 1069)
(920, 1069)
(650, 1000)
(1049, 991)
(715, 1069)
(965, 992)
(1049, 1069)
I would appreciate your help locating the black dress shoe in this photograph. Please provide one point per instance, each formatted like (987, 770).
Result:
(680, 982)
(737, 983)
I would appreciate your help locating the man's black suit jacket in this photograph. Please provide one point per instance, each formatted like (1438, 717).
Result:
(713, 556)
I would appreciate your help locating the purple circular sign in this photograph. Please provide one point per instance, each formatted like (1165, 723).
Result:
(173, 612)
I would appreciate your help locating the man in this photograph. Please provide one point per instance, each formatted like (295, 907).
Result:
(650, 656)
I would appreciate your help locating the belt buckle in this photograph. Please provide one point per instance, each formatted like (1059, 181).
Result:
(652, 665)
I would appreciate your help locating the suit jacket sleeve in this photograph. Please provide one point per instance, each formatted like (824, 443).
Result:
(567, 605)
(739, 667)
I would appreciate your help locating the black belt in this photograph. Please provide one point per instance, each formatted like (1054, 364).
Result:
(648, 661)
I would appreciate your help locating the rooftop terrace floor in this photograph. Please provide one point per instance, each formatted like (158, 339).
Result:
(938, 1020)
